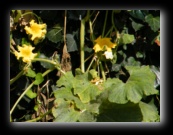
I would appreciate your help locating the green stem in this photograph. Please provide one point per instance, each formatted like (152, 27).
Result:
(57, 65)
(110, 30)
(113, 22)
(44, 60)
(91, 31)
(104, 26)
(82, 36)
(90, 63)
(102, 71)
(28, 88)
(16, 77)
(40, 117)
(33, 14)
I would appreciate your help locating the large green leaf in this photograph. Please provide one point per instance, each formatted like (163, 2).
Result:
(64, 111)
(139, 84)
(128, 112)
(149, 112)
(55, 35)
(153, 22)
(66, 80)
(66, 94)
(86, 116)
(86, 90)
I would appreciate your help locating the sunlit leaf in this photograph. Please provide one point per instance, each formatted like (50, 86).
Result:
(86, 90)
(30, 73)
(149, 112)
(31, 94)
(38, 79)
(66, 80)
(139, 84)
(153, 22)
(64, 111)
(86, 116)
(67, 94)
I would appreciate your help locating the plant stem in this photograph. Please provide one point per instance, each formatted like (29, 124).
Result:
(90, 63)
(40, 117)
(110, 30)
(33, 14)
(28, 88)
(82, 36)
(112, 18)
(104, 26)
(102, 71)
(16, 77)
(91, 31)
(57, 65)
(44, 60)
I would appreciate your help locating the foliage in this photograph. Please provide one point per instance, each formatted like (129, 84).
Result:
(85, 65)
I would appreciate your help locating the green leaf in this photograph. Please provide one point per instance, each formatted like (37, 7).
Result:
(153, 22)
(64, 111)
(66, 94)
(86, 90)
(139, 84)
(86, 116)
(45, 64)
(149, 112)
(30, 73)
(66, 80)
(138, 14)
(132, 62)
(139, 55)
(128, 112)
(31, 94)
(127, 39)
(93, 107)
(25, 41)
(38, 79)
(71, 43)
(55, 35)
(93, 73)
(136, 26)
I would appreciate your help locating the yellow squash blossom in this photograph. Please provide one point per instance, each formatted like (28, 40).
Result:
(103, 44)
(36, 31)
(26, 53)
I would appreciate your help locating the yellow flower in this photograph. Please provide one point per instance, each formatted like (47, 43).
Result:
(26, 53)
(37, 31)
(103, 44)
